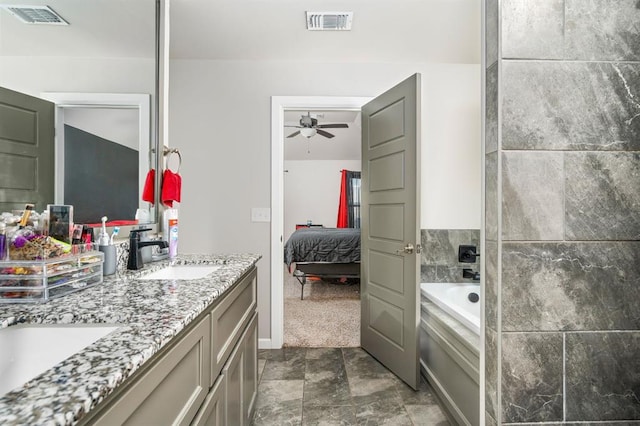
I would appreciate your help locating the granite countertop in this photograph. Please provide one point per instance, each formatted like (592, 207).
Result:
(150, 314)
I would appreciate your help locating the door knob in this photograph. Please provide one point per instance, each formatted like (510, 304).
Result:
(408, 249)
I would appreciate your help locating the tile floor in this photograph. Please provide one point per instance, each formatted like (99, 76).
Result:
(337, 386)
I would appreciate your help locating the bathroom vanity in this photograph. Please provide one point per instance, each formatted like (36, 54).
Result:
(184, 350)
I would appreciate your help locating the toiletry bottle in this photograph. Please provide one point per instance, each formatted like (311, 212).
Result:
(3, 241)
(171, 230)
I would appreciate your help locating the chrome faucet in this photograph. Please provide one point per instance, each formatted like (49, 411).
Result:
(135, 257)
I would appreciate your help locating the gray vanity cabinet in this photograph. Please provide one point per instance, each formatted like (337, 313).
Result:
(207, 376)
(171, 390)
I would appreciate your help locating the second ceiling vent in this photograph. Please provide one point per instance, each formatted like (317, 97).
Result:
(329, 21)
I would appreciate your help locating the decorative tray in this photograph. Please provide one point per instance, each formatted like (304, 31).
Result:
(37, 281)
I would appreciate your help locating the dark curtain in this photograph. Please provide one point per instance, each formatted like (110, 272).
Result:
(349, 207)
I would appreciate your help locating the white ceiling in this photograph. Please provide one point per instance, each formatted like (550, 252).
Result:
(274, 30)
(265, 30)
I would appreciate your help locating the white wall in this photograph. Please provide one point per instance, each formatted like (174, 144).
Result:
(34, 75)
(312, 192)
(220, 120)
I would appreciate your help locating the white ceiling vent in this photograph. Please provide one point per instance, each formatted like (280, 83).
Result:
(329, 21)
(35, 14)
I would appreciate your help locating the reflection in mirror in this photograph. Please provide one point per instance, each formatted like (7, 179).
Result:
(108, 47)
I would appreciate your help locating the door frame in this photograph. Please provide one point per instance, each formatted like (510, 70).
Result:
(278, 106)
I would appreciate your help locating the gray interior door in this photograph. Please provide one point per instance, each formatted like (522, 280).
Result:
(390, 231)
(26, 151)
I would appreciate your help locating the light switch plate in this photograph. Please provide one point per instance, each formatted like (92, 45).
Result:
(260, 214)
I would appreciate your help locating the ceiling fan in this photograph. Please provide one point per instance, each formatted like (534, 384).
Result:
(309, 127)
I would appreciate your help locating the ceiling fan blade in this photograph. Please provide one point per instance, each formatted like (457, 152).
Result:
(294, 134)
(289, 125)
(323, 133)
(333, 126)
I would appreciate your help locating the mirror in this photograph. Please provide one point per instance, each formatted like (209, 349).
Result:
(108, 47)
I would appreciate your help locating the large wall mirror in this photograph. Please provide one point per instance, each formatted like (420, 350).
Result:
(100, 66)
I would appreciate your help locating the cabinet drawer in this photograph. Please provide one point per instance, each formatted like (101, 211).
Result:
(229, 319)
(172, 390)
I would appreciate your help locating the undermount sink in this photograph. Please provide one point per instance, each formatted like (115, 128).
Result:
(31, 349)
(181, 272)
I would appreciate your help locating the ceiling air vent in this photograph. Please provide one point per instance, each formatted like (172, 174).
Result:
(35, 14)
(329, 21)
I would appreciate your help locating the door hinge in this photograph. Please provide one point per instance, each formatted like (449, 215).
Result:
(418, 249)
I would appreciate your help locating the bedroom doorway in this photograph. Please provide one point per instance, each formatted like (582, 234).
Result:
(321, 301)
(280, 106)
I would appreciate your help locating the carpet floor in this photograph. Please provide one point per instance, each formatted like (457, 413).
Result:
(329, 315)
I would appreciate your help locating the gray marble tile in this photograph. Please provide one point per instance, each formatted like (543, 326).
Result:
(439, 258)
(489, 420)
(490, 285)
(491, 372)
(333, 354)
(285, 364)
(423, 396)
(531, 377)
(326, 383)
(382, 411)
(440, 246)
(532, 30)
(366, 389)
(261, 364)
(571, 105)
(359, 364)
(603, 376)
(532, 196)
(279, 402)
(287, 413)
(602, 30)
(491, 32)
(492, 205)
(426, 415)
(570, 286)
(329, 415)
(491, 105)
(602, 195)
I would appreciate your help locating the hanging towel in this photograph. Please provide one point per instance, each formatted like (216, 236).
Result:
(149, 187)
(171, 187)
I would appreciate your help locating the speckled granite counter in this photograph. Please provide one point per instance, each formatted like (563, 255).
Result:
(151, 313)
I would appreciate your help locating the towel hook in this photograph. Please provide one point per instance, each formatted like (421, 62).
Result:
(168, 151)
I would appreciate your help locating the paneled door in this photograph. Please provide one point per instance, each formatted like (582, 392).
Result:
(26, 151)
(390, 267)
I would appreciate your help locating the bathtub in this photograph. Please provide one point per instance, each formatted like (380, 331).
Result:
(450, 347)
(454, 300)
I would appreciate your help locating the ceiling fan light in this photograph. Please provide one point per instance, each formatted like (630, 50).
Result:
(307, 132)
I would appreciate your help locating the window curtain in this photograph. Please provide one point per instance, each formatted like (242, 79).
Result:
(349, 206)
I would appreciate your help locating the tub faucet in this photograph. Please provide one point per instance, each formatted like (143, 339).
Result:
(470, 273)
(135, 257)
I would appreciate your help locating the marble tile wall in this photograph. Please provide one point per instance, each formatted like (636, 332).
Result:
(439, 257)
(562, 211)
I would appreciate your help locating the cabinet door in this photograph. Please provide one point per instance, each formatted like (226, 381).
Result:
(172, 391)
(212, 411)
(228, 320)
(250, 381)
(241, 373)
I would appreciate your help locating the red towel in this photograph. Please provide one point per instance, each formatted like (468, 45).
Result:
(171, 187)
(149, 187)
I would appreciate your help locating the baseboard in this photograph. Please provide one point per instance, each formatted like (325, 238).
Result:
(265, 344)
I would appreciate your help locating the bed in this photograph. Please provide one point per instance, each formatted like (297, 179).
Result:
(323, 253)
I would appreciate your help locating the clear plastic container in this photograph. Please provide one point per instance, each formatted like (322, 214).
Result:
(36, 281)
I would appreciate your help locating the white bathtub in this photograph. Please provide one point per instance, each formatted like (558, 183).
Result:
(449, 348)
(454, 300)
